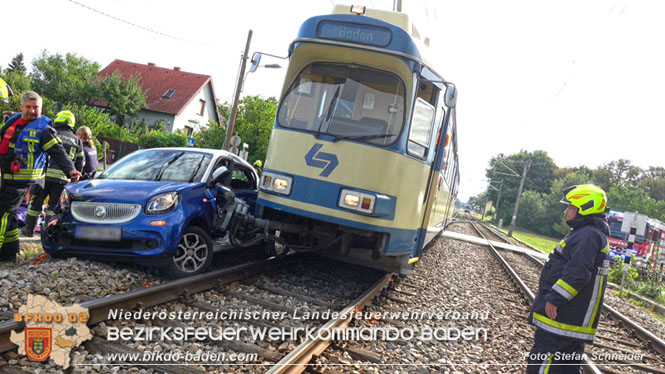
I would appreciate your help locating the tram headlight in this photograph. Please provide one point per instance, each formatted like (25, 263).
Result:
(276, 183)
(359, 201)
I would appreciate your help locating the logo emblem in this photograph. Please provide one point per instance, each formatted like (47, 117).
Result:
(326, 161)
(38, 343)
(100, 212)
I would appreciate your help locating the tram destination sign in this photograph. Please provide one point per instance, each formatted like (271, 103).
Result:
(353, 32)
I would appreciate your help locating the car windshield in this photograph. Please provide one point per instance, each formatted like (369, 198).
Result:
(347, 102)
(163, 165)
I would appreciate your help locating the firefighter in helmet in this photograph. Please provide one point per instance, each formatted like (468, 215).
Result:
(55, 175)
(567, 307)
(27, 141)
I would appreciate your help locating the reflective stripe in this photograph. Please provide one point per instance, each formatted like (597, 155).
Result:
(561, 283)
(11, 236)
(545, 367)
(33, 213)
(57, 174)
(24, 175)
(563, 329)
(562, 292)
(559, 247)
(51, 143)
(594, 303)
(3, 228)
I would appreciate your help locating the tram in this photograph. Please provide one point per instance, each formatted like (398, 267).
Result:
(363, 152)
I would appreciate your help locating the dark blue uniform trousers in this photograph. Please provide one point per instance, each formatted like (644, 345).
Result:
(555, 354)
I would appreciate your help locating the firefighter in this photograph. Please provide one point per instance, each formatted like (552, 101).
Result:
(258, 165)
(26, 142)
(56, 179)
(572, 285)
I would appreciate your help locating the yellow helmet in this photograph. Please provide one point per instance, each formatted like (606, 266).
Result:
(65, 116)
(5, 91)
(588, 198)
(258, 163)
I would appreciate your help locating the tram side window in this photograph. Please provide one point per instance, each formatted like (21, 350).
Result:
(420, 135)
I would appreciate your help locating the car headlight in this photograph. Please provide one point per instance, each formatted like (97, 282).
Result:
(65, 200)
(276, 183)
(162, 203)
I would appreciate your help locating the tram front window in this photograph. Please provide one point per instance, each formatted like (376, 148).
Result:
(347, 102)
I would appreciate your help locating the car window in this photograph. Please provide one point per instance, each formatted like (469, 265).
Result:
(242, 179)
(163, 165)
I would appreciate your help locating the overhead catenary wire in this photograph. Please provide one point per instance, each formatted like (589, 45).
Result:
(138, 26)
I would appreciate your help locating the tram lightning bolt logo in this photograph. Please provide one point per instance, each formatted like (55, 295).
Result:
(326, 161)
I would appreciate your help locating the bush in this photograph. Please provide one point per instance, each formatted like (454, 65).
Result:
(155, 138)
(630, 278)
(651, 290)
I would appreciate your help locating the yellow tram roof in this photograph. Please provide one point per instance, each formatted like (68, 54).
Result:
(398, 19)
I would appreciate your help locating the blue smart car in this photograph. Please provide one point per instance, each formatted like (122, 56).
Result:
(156, 207)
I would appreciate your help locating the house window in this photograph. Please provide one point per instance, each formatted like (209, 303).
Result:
(168, 94)
(202, 107)
(188, 130)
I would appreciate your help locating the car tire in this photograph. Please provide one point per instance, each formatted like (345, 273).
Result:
(193, 255)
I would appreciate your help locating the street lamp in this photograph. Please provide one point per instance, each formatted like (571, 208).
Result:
(256, 59)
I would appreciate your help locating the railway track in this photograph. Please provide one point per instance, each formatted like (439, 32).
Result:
(621, 346)
(290, 296)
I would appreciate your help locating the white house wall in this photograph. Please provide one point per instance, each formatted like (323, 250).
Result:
(152, 118)
(190, 116)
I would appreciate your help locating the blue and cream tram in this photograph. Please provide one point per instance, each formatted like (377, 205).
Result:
(363, 152)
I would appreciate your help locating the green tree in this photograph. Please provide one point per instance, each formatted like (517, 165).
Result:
(123, 97)
(532, 211)
(254, 124)
(617, 173)
(211, 136)
(538, 179)
(66, 79)
(635, 199)
(17, 65)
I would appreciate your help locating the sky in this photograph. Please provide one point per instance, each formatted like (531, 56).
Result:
(580, 80)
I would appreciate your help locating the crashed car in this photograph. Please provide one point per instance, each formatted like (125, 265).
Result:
(165, 207)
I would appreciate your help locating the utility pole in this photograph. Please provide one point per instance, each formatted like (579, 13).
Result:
(397, 5)
(519, 196)
(236, 98)
(498, 199)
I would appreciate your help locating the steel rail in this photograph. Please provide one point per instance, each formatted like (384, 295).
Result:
(588, 366)
(296, 361)
(150, 296)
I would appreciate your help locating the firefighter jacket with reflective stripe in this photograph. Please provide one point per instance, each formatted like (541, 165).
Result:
(574, 279)
(31, 146)
(74, 149)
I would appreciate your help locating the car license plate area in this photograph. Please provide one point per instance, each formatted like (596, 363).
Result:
(98, 233)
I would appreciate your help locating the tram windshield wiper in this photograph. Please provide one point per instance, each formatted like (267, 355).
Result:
(361, 137)
(166, 164)
(329, 111)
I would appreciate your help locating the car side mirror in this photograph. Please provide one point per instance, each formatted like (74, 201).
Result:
(219, 175)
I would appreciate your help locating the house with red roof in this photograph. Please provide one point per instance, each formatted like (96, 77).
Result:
(183, 101)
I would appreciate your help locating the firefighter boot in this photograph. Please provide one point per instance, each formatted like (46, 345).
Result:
(29, 229)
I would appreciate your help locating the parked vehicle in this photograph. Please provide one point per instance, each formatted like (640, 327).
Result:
(158, 207)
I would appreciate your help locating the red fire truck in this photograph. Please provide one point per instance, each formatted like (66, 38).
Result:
(651, 245)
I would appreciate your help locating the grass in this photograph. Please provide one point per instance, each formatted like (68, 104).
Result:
(543, 243)
(30, 252)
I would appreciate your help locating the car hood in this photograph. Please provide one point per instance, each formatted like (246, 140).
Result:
(126, 191)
